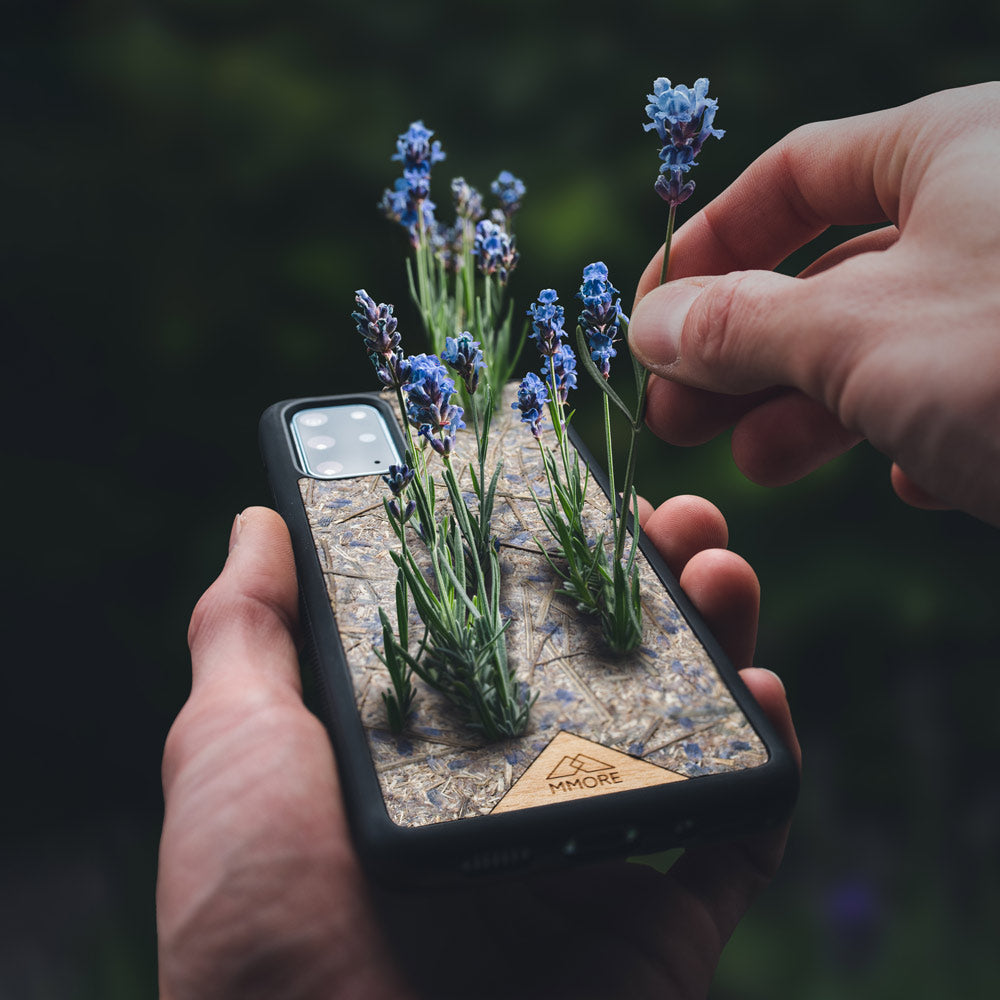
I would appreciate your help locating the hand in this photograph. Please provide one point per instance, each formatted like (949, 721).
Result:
(893, 336)
(260, 893)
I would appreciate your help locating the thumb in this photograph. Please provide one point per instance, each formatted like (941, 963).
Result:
(743, 331)
(244, 626)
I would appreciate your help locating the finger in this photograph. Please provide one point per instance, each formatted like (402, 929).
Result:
(726, 592)
(873, 242)
(683, 526)
(823, 174)
(725, 878)
(683, 415)
(909, 492)
(645, 509)
(244, 626)
(769, 692)
(786, 437)
(750, 330)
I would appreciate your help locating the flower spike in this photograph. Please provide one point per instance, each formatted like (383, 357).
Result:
(682, 117)
(531, 399)
(601, 315)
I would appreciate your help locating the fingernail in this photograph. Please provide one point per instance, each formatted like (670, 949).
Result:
(234, 532)
(654, 332)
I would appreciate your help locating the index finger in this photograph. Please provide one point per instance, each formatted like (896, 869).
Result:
(827, 173)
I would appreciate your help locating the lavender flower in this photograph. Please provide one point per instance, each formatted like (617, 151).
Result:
(563, 364)
(682, 118)
(493, 249)
(415, 150)
(399, 204)
(468, 201)
(377, 326)
(428, 403)
(531, 399)
(408, 201)
(400, 476)
(510, 190)
(601, 315)
(547, 320)
(464, 356)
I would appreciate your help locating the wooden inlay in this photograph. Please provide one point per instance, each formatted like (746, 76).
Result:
(571, 767)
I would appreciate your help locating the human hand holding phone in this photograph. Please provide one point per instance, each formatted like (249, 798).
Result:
(261, 893)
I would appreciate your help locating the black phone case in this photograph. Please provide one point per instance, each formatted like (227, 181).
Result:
(629, 755)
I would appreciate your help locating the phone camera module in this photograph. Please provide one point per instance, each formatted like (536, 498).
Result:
(340, 441)
(312, 419)
(320, 442)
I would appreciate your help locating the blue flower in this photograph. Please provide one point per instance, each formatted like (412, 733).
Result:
(377, 326)
(408, 201)
(464, 356)
(547, 320)
(531, 399)
(415, 150)
(399, 477)
(563, 364)
(673, 190)
(682, 118)
(428, 402)
(468, 201)
(601, 315)
(510, 190)
(400, 204)
(493, 249)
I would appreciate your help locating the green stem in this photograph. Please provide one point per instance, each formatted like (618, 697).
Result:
(611, 466)
(666, 243)
(627, 486)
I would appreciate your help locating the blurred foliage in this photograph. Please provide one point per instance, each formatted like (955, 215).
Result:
(189, 202)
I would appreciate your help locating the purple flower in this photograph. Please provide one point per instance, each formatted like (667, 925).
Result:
(464, 356)
(510, 190)
(563, 364)
(377, 326)
(673, 190)
(408, 201)
(399, 477)
(428, 402)
(682, 118)
(468, 201)
(601, 315)
(531, 399)
(493, 249)
(547, 320)
(404, 515)
(415, 150)
(400, 204)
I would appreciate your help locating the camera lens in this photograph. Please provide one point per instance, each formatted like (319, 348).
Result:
(358, 415)
(320, 442)
(329, 468)
(312, 419)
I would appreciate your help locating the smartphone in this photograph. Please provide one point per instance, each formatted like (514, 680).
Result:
(623, 755)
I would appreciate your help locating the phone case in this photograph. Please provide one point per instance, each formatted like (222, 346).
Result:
(623, 755)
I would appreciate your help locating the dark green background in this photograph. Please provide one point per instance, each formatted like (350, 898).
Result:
(189, 195)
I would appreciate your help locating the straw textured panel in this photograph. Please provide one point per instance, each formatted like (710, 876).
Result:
(664, 703)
